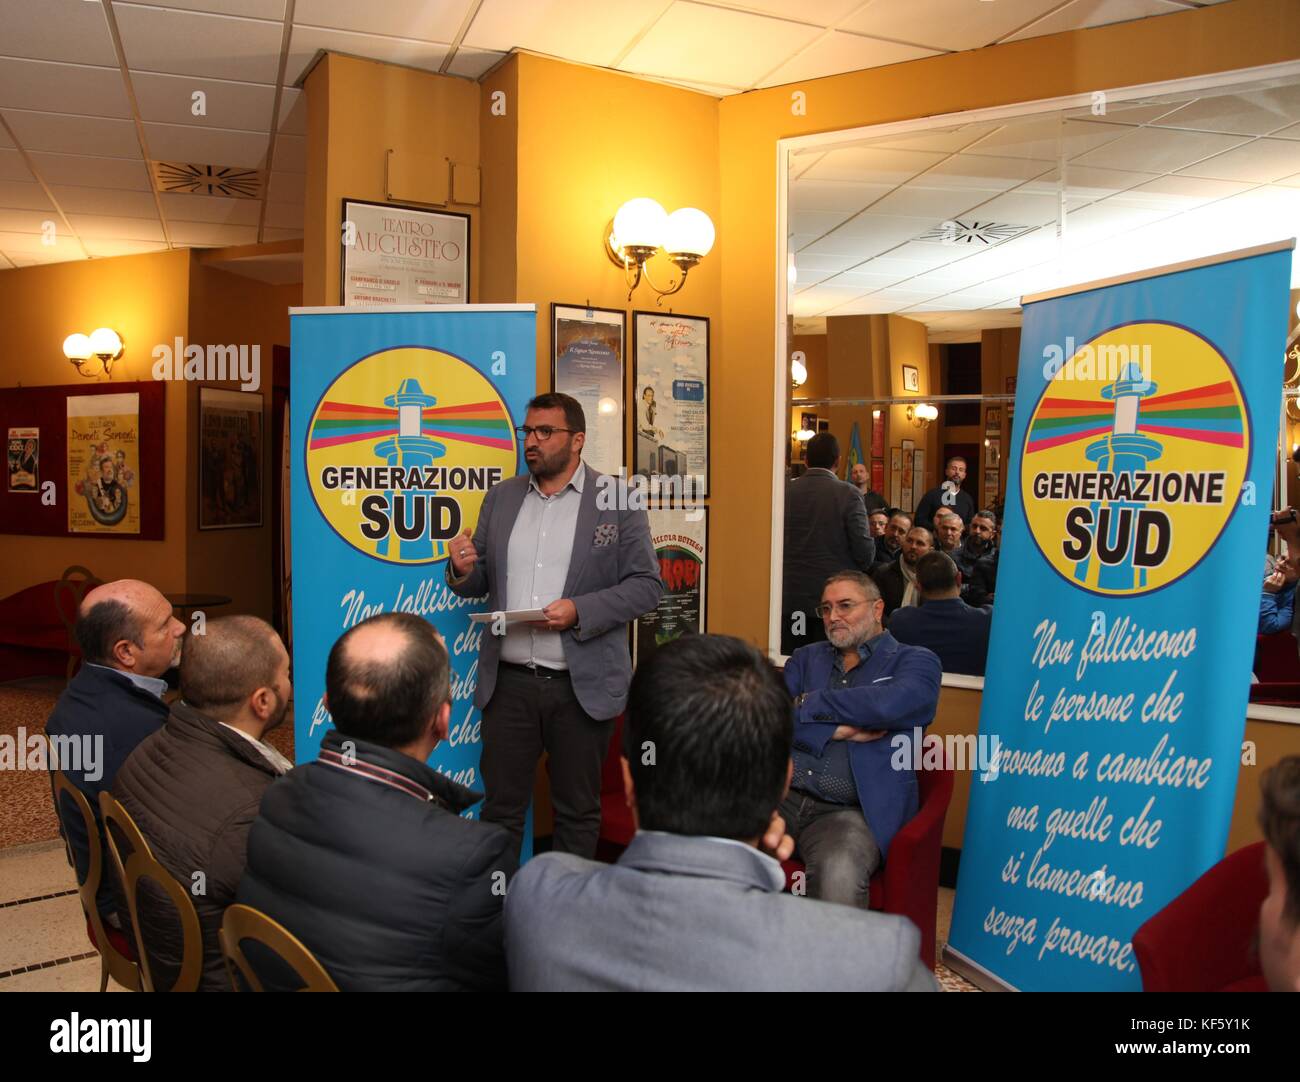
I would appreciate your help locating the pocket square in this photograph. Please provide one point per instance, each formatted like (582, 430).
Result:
(881, 679)
(606, 534)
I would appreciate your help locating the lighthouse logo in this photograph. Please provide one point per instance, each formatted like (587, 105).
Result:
(402, 448)
(1131, 470)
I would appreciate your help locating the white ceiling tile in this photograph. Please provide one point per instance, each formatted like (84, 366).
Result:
(1158, 150)
(293, 111)
(307, 41)
(1292, 181)
(1044, 138)
(169, 99)
(914, 200)
(879, 303)
(284, 216)
(63, 134)
(1255, 112)
(94, 172)
(1106, 219)
(30, 221)
(684, 44)
(286, 187)
(1177, 193)
(1020, 207)
(552, 27)
(72, 31)
(822, 261)
(814, 222)
(1124, 113)
(272, 234)
(821, 12)
(110, 201)
(941, 140)
(865, 278)
(418, 20)
(834, 195)
(101, 248)
(26, 249)
(194, 43)
(1086, 183)
(210, 235)
(1081, 14)
(220, 210)
(23, 195)
(838, 52)
(62, 88)
(927, 255)
(982, 172)
(249, 9)
(290, 154)
(96, 225)
(474, 63)
(205, 146)
(1260, 162)
(5, 141)
(871, 165)
(946, 24)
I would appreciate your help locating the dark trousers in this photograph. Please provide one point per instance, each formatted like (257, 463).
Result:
(526, 715)
(837, 847)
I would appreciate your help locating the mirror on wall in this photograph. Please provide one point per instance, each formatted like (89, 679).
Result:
(907, 253)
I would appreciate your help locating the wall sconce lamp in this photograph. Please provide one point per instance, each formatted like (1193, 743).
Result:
(921, 415)
(104, 343)
(798, 372)
(642, 227)
(804, 435)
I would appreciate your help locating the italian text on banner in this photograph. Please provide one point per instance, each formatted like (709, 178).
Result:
(1143, 459)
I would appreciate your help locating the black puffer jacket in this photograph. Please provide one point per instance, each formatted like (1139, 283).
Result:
(380, 878)
(193, 789)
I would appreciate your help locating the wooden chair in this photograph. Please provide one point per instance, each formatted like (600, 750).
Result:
(141, 864)
(112, 962)
(243, 922)
(68, 594)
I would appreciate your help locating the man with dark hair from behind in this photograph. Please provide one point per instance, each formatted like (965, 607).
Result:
(128, 638)
(363, 854)
(1279, 913)
(944, 623)
(826, 531)
(193, 788)
(695, 901)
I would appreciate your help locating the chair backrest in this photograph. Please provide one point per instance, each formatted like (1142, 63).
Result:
(140, 864)
(72, 587)
(121, 968)
(242, 922)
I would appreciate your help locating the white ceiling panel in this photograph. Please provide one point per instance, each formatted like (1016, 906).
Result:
(837, 52)
(86, 171)
(1081, 14)
(198, 44)
(219, 210)
(914, 200)
(982, 172)
(419, 20)
(72, 31)
(946, 24)
(1259, 162)
(107, 201)
(169, 99)
(251, 9)
(1255, 113)
(284, 215)
(1021, 207)
(821, 12)
(205, 146)
(890, 167)
(62, 88)
(307, 41)
(941, 140)
(1045, 138)
(1177, 193)
(835, 195)
(684, 44)
(814, 222)
(293, 111)
(290, 154)
(548, 26)
(1158, 150)
(5, 141)
(888, 300)
(830, 263)
(32, 244)
(95, 225)
(29, 221)
(1088, 184)
(100, 248)
(1107, 219)
(474, 63)
(286, 187)
(874, 233)
(211, 235)
(270, 234)
(61, 133)
(866, 279)
(21, 195)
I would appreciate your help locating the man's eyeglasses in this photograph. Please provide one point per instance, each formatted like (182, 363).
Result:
(543, 432)
(842, 607)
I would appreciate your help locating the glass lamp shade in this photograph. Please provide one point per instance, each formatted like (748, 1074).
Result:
(688, 232)
(798, 373)
(804, 435)
(104, 342)
(76, 347)
(639, 223)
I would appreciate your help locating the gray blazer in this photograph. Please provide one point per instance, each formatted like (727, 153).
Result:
(681, 913)
(826, 531)
(613, 578)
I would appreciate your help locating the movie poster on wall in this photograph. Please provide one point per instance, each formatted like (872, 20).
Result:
(24, 459)
(394, 255)
(587, 358)
(104, 463)
(680, 538)
(230, 459)
(671, 389)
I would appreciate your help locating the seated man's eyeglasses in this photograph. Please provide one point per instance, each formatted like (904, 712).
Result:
(543, 432)
(842, 607)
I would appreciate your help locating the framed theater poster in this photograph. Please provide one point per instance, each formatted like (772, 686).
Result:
(587, 360)
(680, 537)
(908, 476)
(918, 471)
(24, 457)
(670, 381)
(104, 464)
(230, 459)
(895, 475)
(396, 255)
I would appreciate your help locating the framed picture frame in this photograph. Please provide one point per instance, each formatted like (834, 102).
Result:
(992, 421)
(878, 475)
(671, 391)
(681, 541)
(588, 362)
(911, 379)
(895, 475)
(231, 451)
(878, 434)
(992, 453)
(991, 481)
(918, 470)
(393, 254)
(907, 481)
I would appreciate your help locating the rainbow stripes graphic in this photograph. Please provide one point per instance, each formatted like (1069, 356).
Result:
(481, 423)
(1210, 414)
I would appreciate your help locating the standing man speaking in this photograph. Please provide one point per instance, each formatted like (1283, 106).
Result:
(562, 539)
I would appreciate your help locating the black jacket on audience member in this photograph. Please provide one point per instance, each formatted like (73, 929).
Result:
(955, 631)
(983, 581)
(390, 890)
(193, 789)
(891, 581)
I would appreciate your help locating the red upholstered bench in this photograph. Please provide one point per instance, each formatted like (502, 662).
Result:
(36, 627)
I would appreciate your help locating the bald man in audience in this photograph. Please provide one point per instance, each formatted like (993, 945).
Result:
(948, 528)
(128, 638)
(194, 787)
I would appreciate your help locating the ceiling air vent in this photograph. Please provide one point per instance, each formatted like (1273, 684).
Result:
(973, 233)
(208, 179)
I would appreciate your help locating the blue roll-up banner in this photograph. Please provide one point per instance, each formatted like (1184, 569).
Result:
(401, 420)
(1144, 453)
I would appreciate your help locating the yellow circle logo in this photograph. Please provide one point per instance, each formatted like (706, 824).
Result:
(402, 448)
(1134, 458)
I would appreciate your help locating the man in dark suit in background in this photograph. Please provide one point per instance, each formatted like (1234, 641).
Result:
(825, 531)
(949, 494)
(943, 622)
(897, 580)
